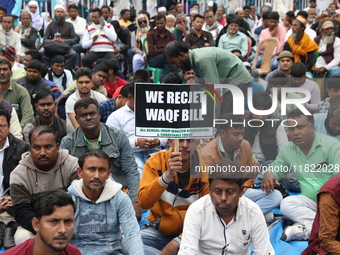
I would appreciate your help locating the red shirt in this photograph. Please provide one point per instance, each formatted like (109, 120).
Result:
(117, 92)
(111, 87)
(26, 248)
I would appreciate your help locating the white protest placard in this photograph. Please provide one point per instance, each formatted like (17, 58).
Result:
(174, 110)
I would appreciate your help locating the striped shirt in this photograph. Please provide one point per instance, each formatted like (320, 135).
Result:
(105, 41)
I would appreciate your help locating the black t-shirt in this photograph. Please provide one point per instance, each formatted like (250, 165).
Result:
(183, 178)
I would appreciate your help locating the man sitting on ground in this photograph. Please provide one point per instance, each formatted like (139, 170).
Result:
(44, 167)
(33, 81)
(113, 82)
(84, 84)
(46, 107)
(58, 74)
(225, 210)
(333, 92)
(98, 197)
(166, 187)
(8, 37)
(231, 145)
(15, 94)
(93, 134)
(306, 150)
(53, 223)
(11, 150)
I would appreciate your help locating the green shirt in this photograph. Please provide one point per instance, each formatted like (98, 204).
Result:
(73, 87)
(218, 66)
(89, 144)
(308, 170)
(18, 96)
(18, 73)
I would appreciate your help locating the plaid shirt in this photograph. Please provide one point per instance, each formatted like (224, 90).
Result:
(106, 108)
(324, 106)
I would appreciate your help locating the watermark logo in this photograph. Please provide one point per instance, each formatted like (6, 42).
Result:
(238, 100)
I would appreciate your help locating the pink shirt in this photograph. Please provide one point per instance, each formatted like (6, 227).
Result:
(280, 35)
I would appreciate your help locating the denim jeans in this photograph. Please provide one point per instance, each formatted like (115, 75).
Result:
(154, 239)
(147, 249)
(264, 167)
(266, 202)
(78, 49)
(141, 157)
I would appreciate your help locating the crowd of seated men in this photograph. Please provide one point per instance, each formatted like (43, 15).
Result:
(67, 122)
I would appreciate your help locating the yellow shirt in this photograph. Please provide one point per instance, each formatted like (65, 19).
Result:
(125, 24)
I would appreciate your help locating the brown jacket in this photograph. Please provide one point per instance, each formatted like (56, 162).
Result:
(211, 154)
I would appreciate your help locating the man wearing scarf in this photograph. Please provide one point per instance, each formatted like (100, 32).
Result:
(28, 33)
(329, 50)
(8, 37)
(302, 47)
(211, 25)
(137, 38)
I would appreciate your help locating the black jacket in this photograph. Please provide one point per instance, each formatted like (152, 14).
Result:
(12, 157)
(125, 36)
(30, 41)
(268, 141)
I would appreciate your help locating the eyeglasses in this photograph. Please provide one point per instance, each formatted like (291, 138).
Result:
(2, 127)
(181, 21)
(141, 22)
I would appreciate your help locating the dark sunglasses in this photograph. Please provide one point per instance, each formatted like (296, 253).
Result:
(141, 22)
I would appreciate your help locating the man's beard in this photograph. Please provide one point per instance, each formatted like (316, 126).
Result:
(218, 17)
(59, 21)
(296, 36)
(232, 32)
(311, 20)
(144, 29)
(327, 39)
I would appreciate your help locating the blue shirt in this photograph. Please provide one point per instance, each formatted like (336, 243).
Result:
(56, 91)
(239, 41)
(106, 108)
